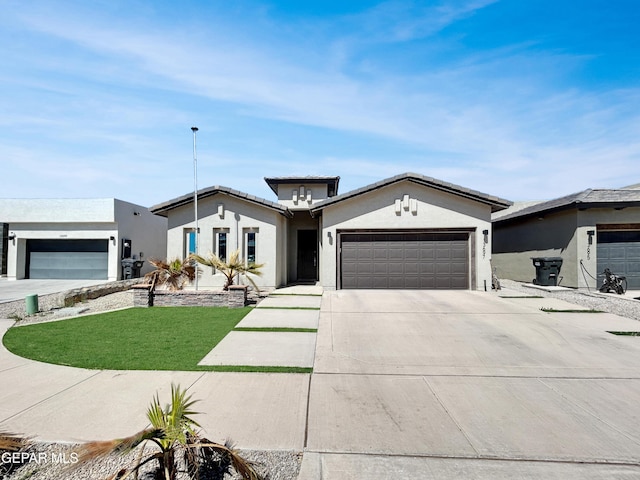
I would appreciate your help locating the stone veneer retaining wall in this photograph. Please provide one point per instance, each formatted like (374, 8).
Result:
(235, 297)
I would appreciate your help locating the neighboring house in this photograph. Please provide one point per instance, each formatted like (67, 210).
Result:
(408, 231)
(76, 238)
(591, 230)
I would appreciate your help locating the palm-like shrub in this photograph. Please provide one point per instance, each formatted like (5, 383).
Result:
(10, 442)
(173, 432)
(232, 267)
(173, 274)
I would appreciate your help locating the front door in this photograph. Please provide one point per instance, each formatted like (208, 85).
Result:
(307, 255)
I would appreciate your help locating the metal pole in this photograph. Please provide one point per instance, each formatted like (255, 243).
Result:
(195, 193)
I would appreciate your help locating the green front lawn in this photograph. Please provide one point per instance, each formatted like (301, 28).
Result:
(158, 338)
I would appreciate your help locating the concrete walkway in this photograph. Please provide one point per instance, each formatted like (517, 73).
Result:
(406, 384)
(273, 341)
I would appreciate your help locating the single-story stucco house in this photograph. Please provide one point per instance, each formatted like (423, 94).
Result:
(407, 231)
(590, 230)
(76, 238)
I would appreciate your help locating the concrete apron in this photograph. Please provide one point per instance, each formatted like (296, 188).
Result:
(448, 385)
(57, 403)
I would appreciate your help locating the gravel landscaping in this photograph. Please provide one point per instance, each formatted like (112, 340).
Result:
(623, 305)
(53, 461)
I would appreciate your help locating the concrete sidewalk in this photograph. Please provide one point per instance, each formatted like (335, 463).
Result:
(447, 385)
(406, 384)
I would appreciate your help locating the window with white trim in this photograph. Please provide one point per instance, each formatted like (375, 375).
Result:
(189, 242)
(221, 243)
(250, 245)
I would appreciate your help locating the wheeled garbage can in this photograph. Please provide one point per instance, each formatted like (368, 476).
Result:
(547, 270)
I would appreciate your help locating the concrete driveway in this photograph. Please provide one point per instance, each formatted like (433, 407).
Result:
(470, 385)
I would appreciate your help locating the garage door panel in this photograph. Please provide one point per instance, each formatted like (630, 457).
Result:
(620, 252)
(67, 259)
(459, 268)
(408, 260)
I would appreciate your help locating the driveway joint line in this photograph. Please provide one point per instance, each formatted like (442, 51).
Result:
(450, 415)
(59, 392)
(572, 401)
(567, 461)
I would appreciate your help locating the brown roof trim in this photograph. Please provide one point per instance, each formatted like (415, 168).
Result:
(496, 203)
(163, 209)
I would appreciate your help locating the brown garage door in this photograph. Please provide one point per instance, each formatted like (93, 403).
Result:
(404, 260)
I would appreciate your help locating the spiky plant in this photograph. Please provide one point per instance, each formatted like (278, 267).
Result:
(232, 267)
(173, 274)
(10, 442)
(173, 431)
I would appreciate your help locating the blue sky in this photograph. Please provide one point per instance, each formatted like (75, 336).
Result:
(523, 99)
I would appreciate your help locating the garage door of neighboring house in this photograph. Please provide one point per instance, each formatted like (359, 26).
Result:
(427, 260)
(620, 252)
(68, 259)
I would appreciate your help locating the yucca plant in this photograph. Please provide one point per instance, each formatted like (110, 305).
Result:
(173, 274)
(173, 431)
(232, 267)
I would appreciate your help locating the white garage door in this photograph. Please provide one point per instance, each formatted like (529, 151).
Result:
(68, 259)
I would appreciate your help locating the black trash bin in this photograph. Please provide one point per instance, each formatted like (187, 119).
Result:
(127, 268)
(131, 268)
(547, 270)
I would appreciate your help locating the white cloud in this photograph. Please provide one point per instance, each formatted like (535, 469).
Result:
(498, 113)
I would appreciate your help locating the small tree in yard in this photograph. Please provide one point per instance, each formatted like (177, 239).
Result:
(173, 274)
(174, 436)
(234, 266)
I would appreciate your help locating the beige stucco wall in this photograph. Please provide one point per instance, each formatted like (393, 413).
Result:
(435, 210)
(562, 234)
(319, 192)
(239, 215)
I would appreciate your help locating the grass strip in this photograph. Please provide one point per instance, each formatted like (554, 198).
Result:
(520, 296)
(275, 329)
(158, 338)
(626, 334)
(554, 310)
(255, 369)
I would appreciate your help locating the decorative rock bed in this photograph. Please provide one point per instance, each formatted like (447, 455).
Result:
(235, 297)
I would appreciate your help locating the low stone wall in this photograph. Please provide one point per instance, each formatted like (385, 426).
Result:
(52, 301)
(235, 297)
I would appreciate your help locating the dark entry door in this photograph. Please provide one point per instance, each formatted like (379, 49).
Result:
(307, 255)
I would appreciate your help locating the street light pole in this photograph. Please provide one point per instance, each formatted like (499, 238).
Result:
(195, 194)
